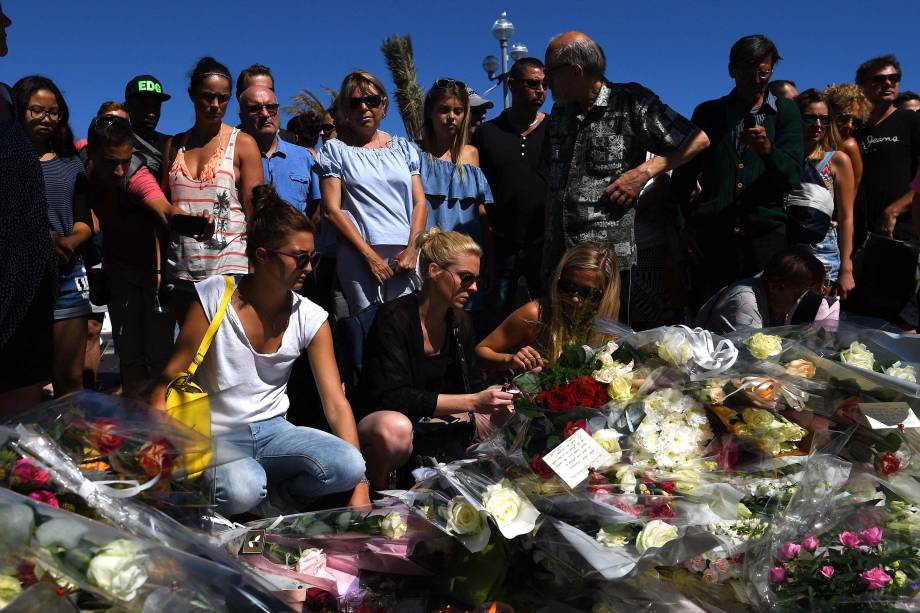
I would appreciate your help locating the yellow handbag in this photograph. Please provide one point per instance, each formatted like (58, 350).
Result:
(186, 402)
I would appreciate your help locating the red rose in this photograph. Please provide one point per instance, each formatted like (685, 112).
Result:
(156, 457)
(46, 497)
(575, 424)
(538, 466)
(26, 473)
(887, 463)
(668, 486)
(558, 400)
(105, 437)
(662, 511)
(727, 456)
(318, 600)
(588, 392)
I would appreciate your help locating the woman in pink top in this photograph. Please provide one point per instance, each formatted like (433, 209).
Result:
(214, 170)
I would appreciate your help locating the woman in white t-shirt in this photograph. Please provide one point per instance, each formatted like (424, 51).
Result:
(245, 372)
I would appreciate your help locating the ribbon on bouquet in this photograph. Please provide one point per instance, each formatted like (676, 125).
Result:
(716, 358)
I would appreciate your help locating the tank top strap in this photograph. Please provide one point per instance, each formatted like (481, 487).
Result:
(820, 166)
(231, 145)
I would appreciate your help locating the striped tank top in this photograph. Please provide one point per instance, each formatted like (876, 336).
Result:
(214, 191)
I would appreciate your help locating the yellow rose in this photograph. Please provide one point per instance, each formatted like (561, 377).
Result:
(763, 346)
(462, 517)
(9, 589)
(620, 389)
(393, 526)
(656, 533)
(609, 440)
(758, 419)
(801, 368)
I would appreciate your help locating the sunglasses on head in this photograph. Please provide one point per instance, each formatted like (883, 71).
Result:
(450, 83)
(880, 79)
(271, 109)
(587, 294)
(371, 102)
(810, 119)
(107, 121)
(302, 259)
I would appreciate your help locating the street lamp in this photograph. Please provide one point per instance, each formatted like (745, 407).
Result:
(503, 30)
(518, 51)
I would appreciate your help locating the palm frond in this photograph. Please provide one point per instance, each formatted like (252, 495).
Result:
(306, 100)
(397, 51)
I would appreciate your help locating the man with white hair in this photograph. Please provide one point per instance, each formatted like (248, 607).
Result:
(596, 158)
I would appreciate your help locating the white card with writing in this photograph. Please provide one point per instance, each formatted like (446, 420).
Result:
(572, 458)
(888, 415)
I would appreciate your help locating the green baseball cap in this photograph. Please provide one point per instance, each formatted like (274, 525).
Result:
(147, 85)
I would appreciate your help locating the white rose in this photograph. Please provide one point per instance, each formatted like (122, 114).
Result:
(462, 517)
(10, 588)
(620, 389)
(900, 371)
(502, 502)
(674, 348)
(626, 477)
(858, 355)
(758, 419)
(656, 533)
(393, 526)
(763, 346)
(117, 569)
(609, 440)
(614, 538)
(312, 562)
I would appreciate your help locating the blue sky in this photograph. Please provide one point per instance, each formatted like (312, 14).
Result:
(677, 48)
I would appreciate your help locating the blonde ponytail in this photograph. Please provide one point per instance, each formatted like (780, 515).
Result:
(442, 248)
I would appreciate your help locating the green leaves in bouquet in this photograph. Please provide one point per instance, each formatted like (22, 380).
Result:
(630, 418)
(474, 578)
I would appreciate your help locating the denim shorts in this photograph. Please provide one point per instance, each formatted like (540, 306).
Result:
(828, 252)
(73, 292)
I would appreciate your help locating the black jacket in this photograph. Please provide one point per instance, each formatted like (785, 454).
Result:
(396, 374)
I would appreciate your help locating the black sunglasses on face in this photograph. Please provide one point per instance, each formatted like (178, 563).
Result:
(845, 118)
(880, 79)
(449, 83)
(370, 102)
(466, 278)
(810, 119)
(271, 109)
(587, 294)
(302, 259)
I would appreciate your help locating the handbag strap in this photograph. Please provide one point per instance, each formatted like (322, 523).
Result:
(215, 324)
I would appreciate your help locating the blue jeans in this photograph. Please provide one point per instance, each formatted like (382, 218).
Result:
(297, 464)
(828, 252)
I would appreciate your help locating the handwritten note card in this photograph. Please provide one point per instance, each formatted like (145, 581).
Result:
(888, 415)
(572, 458)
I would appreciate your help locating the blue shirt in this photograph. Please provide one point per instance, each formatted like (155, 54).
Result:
(290, 170)
(453, 200)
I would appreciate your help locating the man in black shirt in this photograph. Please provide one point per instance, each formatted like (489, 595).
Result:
(890, 144)
(144, 96)
(509, 155)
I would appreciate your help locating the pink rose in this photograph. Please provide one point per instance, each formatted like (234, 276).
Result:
(46, 497)
(26, 473)
(789, 551)
(710, 576)
(850, 539)
(698, 564)
(827, 571)
(810, 543)
(777, 574)
(722, 565)
(871, 536)
(875, 578)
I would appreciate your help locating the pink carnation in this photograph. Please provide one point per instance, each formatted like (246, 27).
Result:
(777, 574)
(875, 578)
(871, 536)
(26, 473)
(46, 497)
(789, 551)
(810, 543)
(850, 539)
(698, 564)
(827, 571)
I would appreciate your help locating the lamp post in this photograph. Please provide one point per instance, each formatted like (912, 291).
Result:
(502, 30)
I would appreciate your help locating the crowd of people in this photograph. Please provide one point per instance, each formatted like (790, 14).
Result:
(391, 267)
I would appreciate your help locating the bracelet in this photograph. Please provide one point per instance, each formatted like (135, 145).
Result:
(363, 480)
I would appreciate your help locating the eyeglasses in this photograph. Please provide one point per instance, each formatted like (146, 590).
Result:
(810, 119)
(587, 294)
(845, 118)
(327, 128)
(370, 102)
(38, 112)
(880, 79)
(450, 83)
(466, 278)
(302, 259)
(271, 109)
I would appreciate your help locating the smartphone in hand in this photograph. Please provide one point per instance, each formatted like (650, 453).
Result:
(750, 121)
(188, 225)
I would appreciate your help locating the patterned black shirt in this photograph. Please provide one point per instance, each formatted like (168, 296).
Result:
(588, 151)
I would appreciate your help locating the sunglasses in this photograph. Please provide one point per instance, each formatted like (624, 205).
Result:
(587, 294)
(302, 259)
(845, 118)
(107, 121)
(466, 278)
(810, 119)
(271, 109)
(881, 79)
(326, 128)
(450, 83)
(370, 102)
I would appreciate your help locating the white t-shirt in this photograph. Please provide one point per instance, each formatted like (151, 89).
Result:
(245, 386)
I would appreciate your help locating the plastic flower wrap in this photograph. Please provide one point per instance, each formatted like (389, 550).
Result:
(693, 351)
(130, 573)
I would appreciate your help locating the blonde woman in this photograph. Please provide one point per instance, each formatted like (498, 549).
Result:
(418, 360)
(586, 284)
(455, 188)
(372, 196)
(849, 108)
